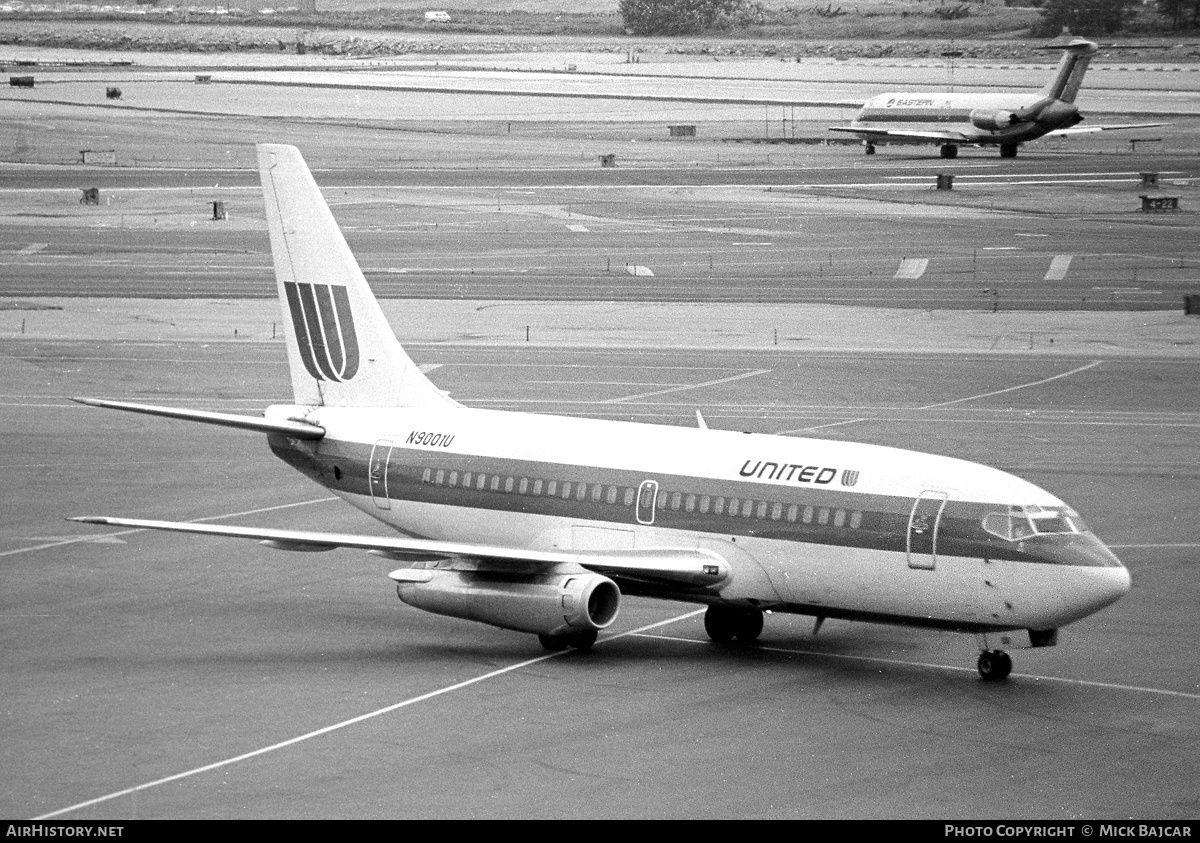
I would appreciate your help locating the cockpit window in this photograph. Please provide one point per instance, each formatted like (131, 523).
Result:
(1022, 522)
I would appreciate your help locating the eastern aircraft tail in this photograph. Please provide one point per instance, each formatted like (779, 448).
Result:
(1077, 55)
(341, 349)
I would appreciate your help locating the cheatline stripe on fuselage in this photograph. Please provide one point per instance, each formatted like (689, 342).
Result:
(881, 521)
(916, 115)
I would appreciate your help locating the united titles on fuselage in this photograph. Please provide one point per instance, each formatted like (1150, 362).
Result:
(790, 472)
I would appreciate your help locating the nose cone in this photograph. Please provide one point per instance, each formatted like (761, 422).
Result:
(1098, 577)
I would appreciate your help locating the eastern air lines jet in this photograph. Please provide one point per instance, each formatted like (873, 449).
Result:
(1006, 120)
(542, 523)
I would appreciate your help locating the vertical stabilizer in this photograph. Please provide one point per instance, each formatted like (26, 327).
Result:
(1077, 55)
(341, 350)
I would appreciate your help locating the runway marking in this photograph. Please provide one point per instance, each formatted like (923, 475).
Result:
(1112, 686)
(1074, 371)
(1058, 268)
(912, 268)
(351, 722)
(729, 379)
(104, 536)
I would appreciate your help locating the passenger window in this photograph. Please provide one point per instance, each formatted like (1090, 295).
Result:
(612, 494)
(661, 501)
(734, 503)
(566, 490)
(689, 503)
(495, 482)
(551, 488)
(808, 514)
(453, 481)
(523, 487)
(793, 513)
(581, 492)
(704, 502)
(839, 518)
(440, 477)
(466, 480)
(427, 475)
(719, 506)
(676, 500)
(823, 515)
(537, 487)
(855, 520)
(629, 497)
(481, 482)
(509, 482)
(762, 510)
(776, 511)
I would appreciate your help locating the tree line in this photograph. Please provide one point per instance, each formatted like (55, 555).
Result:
(1087, 17)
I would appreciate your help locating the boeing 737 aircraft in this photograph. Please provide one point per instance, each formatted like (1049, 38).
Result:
(1006, 120)
(542, 523)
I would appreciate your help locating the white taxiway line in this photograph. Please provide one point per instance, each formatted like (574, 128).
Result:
(102, 536)
(1112, 686)
(688, 386)
(1074, 371)
(347, 723)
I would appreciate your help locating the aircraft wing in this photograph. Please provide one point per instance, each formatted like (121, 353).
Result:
(687, 567)
(1111, 127)
(902, 134)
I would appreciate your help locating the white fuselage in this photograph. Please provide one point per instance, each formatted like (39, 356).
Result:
(821, 527)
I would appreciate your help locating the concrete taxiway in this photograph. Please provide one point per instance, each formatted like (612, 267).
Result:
(169, 676)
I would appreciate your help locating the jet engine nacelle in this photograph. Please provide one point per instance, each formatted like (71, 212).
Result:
(552, 603)
(992, 120)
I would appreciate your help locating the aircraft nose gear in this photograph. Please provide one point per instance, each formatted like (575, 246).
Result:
(724, 623)
(994, 665)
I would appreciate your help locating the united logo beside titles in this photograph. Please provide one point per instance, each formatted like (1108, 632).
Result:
(324, 329)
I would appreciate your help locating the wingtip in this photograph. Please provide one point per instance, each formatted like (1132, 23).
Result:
(89, 519)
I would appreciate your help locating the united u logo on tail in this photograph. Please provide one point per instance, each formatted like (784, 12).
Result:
(324, 330)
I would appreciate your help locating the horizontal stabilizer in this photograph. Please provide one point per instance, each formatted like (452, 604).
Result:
(1111, 127)
(686, 567)
(298, 429)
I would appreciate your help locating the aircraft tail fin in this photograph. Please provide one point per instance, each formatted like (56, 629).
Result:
(341, 350)
(1077, 55)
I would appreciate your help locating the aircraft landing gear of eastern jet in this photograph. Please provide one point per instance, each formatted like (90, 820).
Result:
(725, 623)
(869, 148)
(578, 640)
(994, 665)
(949, 150)
(1008, 150)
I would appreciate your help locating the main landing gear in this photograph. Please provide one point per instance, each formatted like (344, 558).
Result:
(869, 148)
(949, 150)
(994, 665)
(725, 623)
(1008, 150)
(578, 640)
